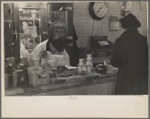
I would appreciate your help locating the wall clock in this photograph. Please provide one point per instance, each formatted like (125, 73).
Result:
(98, 10)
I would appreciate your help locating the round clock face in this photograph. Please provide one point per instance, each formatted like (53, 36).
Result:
(100, 9)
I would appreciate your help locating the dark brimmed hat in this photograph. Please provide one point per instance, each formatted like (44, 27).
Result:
(130, 21)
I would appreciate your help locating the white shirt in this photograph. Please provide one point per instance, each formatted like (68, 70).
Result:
(53, 60)
(23, 51)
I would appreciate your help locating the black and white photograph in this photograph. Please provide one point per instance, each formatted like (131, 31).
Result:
(79, 51)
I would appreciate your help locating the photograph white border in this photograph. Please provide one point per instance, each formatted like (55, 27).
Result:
(63, 106)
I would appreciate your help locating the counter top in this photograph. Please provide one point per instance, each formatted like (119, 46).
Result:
(63, 83)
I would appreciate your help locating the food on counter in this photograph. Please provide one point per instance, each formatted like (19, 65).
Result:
(64, 74)
(101, 68)
(70, 67)
(63, 71)
(111, 69)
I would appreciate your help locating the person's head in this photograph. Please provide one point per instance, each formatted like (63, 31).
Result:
(57, 45)
(129, 21)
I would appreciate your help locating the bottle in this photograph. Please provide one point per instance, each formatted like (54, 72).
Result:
(89, 64)
(6, 80)
(80, 66)
(105, 63)
(88, 67)
(15, 78)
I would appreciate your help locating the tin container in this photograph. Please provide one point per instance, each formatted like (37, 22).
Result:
(43, 79)
(6, 80)
(34, 72)
(6, 61)
(33, 80)
(15, 78)
(21, 77)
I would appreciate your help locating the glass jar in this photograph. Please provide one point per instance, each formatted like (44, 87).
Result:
(89, 63)
(88, 67)
(80, 66)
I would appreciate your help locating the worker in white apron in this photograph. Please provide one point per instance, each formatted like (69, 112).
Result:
(51, 52)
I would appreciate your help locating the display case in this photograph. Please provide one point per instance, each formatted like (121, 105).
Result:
(62, 18)
(29, 23)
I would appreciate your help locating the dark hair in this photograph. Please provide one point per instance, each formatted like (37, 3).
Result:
(58, 43)
(47, 45)
(130, 21)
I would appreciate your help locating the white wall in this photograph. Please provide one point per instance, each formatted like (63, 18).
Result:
(84, 23)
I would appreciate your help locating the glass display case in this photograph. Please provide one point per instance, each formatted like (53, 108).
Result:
(29, 23)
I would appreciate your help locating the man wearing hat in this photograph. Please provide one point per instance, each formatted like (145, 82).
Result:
(130, 55)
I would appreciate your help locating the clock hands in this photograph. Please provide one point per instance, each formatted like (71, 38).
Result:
(99, 9)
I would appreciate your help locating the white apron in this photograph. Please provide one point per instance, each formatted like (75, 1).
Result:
(54, 60)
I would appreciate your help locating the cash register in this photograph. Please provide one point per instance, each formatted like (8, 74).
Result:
(101, 48)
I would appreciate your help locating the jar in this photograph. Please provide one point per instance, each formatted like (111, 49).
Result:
(88, 67)
(15, 78)
(89, 57)
(24, 61)
(6, 80)
(80, 66)
(6, 61)
(11, 61)
(89, 60)
(89, 64)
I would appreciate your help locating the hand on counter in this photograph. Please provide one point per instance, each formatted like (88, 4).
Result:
(111, 69)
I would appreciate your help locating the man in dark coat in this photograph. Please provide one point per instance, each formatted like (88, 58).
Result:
(130, 55)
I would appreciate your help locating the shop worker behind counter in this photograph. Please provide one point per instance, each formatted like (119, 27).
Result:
(52, 52)
(130, 55)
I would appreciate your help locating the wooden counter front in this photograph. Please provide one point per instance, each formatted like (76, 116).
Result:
(97, 84)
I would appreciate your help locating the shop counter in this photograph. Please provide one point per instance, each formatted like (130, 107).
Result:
(91, 84)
